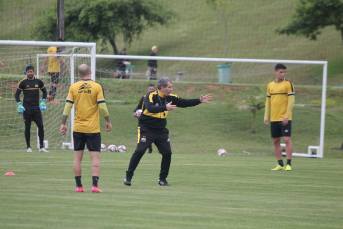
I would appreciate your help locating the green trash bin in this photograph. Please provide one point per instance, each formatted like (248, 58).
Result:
(129, 70)
(224, 72)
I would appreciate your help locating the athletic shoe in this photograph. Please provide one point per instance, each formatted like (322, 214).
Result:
(96, 189)
(288, 168)
(43, 150)
(163, 183)
(127, 181)
(29, 150)
(279, 167)
(80, 189)
(149, 151)
(54, 101)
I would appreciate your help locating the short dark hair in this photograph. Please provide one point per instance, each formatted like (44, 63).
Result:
(124, 49)
(60, 39)
(29, 67)
(151, 85)
(280, 66)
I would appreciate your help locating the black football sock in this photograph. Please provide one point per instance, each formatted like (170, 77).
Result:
(95, 181)
(280, 162)
(289, 161)
(78, 181)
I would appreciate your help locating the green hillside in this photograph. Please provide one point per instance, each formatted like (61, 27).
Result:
(197, 32)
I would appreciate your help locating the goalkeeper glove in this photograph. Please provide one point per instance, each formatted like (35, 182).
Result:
(20, 108)
(42, 105)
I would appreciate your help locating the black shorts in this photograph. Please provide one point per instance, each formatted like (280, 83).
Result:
(121, 73)
(55, 77)
(278, 130)
(93, 141)
(146, 137)
(33, 114)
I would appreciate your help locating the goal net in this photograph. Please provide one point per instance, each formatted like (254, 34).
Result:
(242, 84)
(16, 55)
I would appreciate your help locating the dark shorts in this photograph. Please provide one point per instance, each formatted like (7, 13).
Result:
(121, 73)
(278, 130)
(146, 137)
(32, 114)
(93, 141)
(55, 77)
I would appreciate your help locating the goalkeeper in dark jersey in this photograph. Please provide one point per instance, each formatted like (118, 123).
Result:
(31, 108)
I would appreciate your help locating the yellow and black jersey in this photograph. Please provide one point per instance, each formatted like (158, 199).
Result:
(86, 95)
(155, 112)
(54, 61)
(30, 89)
(279, 93)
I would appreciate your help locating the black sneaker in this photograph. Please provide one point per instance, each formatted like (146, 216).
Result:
(127, 181)
(163, 183)
(149, 151)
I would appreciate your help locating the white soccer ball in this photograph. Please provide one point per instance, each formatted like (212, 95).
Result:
(122, 149)
(139, 112)
(112, 148)
(221, 152)
(103, 148)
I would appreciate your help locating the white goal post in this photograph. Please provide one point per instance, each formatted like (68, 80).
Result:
(16, 55)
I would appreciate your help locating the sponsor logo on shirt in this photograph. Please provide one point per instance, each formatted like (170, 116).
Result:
(85, 88)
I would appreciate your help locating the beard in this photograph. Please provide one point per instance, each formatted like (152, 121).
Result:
(30, 76)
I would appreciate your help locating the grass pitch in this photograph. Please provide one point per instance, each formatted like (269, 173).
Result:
(207, 191)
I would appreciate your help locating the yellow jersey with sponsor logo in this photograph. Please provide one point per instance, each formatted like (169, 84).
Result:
(86, 95)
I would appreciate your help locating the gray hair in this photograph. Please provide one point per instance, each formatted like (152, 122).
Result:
(163, 82)
(84, 70)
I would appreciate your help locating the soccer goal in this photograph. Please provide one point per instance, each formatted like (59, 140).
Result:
(244, 81)
(16, 55)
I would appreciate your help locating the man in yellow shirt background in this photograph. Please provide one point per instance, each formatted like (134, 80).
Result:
(54, 69)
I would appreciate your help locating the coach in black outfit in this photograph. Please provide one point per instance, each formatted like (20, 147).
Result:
(31, 108)
(152, 126)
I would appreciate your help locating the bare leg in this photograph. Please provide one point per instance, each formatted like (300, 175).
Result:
(277, 148)
(289, 147)
(94, 155)
(77, 162)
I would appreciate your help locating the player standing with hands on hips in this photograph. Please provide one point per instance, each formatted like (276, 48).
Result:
(31, 108)
(88, 98)
(279, 103)
(152, 126)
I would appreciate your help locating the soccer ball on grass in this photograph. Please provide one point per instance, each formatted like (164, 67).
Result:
(221, 152)
(121, 149)
(112, 148)
(103, 148)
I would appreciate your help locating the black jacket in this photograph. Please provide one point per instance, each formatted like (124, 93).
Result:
(120, 63)
(155, 113)
(152, 63)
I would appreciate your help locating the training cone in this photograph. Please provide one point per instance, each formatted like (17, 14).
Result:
(9, 174)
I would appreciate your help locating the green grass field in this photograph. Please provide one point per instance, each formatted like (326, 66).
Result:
(207, 192)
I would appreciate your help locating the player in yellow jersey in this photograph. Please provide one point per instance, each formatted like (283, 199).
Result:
(88, 98)
(279, 103)
(54, 69)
